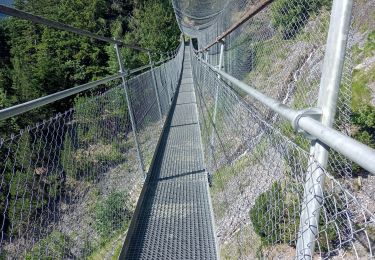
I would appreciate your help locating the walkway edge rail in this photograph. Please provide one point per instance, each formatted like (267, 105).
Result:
(27, 106)
(248, 15)
(39, 102)
(356, 151)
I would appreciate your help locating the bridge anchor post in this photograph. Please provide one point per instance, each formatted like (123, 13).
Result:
(221, 60)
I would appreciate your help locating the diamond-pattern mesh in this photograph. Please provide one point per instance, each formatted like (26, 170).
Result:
(69, 185)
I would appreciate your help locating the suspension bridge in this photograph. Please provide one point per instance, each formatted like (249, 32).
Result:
(235, 146)
(175, 210)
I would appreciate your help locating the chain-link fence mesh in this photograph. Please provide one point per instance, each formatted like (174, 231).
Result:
(146, 100)
(280, 52)
(69, 184)
(258, 164)
(258, 177)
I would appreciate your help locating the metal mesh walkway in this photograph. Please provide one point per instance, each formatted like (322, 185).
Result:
(175, 216)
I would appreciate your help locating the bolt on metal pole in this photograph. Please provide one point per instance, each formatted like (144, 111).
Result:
(328, 94)
(155, 84)
(221, 57)
(125, 86)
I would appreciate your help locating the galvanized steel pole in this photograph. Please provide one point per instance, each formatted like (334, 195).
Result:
(166, 84)
(132, 120)
(327, 102)
(222, 45)
(155, 85)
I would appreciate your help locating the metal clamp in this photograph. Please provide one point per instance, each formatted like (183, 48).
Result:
(312, 112)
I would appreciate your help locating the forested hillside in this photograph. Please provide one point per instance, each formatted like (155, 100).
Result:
(36, 61)
(69, 176)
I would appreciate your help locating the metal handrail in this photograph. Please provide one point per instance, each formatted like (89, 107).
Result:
(356, 151)
(248, 15)
(30, 105)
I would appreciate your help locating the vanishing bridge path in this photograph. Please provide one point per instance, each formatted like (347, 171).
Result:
(274, 111)
(174, 218)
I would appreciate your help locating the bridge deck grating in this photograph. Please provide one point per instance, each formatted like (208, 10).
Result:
(175, 218)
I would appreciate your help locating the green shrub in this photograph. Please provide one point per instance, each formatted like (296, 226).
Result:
(67, 157)
(329, 222)
(363, 117)
(55, 246)
(363, 120)
(28, 188)
(85, 162)
(86, 115)
(22, 203)
(3, 255)
(274, 216)
(369, 47)
(93, 143)
(291, 15)
(112, 214)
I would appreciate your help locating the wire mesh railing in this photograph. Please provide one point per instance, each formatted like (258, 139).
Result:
(69, 184)
(71, 177)
(258, 177)
(260, 167)
(145, 102)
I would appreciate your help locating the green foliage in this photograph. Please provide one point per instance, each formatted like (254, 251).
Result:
(36, 60)
(369, 48)
(329, 221)
(83, 162)
(291, 15)
(26, 191)
(274, 216)
(22, 201)
(98, 124)
(67, 157)
(55, 246)
(148, 21)
(363, 121)
(361, 92)
(113, 213)
(5, 80)
(363, 117)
